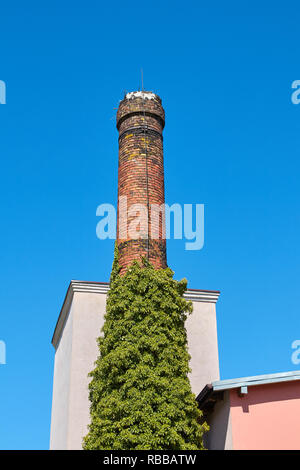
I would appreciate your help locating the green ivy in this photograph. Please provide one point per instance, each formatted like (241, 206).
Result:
(140, 393)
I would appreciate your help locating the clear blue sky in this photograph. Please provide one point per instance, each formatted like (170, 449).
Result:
(232, 142)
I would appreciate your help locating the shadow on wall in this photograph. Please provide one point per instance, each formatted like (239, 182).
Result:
(265, 394)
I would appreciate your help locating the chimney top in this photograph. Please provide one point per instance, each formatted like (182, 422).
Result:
(146, 95)
(137, 103)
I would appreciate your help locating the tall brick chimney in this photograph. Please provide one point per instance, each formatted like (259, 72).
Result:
(140, 122)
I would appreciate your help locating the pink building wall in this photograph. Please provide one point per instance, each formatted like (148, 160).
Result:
(267, 418)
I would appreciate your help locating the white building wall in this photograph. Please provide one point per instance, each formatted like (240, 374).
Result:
(74, 339)
(219, 436)
(201, 327)
(61, 388)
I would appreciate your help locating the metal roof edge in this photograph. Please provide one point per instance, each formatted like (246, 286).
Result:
(256, 380)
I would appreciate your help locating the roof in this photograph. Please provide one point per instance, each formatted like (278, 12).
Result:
(256, 380)
(214, 391)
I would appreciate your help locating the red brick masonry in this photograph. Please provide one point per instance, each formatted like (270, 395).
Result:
(140, 122)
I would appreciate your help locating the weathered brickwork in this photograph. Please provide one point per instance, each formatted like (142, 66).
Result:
(140, 122)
